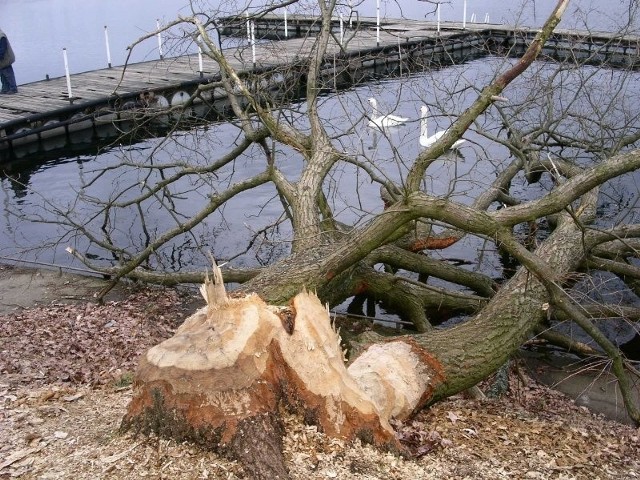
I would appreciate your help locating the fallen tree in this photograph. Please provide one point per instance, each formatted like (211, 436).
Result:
(221, 380)
(230, 366)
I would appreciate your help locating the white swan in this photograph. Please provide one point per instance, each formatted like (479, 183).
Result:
(425, 139)
(382, 121)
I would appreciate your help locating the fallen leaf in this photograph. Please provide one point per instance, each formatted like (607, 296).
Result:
(73, 398)
(453, 417)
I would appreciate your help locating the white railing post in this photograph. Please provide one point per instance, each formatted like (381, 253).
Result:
(253, 43)
(159, 39)
(377, 23)
(200, 65)
(350, 13)
(438, 17)
(341, 30)
(464, 15)
(66, 73)
(286, 24)
(106, 40)
(246, 14)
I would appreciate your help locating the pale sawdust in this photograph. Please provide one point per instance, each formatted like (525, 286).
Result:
(53, 425)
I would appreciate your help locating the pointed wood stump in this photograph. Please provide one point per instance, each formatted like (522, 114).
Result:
(222, 378)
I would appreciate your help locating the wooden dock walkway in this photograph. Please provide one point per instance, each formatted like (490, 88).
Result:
(43, 117)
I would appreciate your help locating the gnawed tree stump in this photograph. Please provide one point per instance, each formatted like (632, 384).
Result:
(222, 379)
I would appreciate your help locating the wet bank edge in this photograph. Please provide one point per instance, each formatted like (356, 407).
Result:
(29, 287)
(589, 385)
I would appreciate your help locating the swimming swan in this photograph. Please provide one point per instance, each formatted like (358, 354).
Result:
(382, 121)
(425, 139)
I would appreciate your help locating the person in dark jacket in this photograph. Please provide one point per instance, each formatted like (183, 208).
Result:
(7, 57)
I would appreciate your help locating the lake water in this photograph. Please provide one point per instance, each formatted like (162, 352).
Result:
(54, 185)
(78, 25)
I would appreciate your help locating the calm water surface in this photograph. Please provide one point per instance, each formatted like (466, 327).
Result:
(55, 184)
(40, 28)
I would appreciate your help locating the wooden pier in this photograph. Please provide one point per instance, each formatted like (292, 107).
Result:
(43, 117)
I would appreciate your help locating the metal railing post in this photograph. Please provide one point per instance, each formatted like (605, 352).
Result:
(106, 41)
(66, 72)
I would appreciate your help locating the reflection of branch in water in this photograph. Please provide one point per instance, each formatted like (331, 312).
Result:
(5, 210)
(259, 239)
(19, 183)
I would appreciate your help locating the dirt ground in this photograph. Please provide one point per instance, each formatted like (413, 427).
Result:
(66, 366)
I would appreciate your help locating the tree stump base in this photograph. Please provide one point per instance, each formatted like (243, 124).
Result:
(221, 380)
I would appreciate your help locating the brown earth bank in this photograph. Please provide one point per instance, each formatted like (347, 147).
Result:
(66, 366)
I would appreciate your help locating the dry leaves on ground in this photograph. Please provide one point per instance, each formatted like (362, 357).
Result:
(62, 371)
(85, 343)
